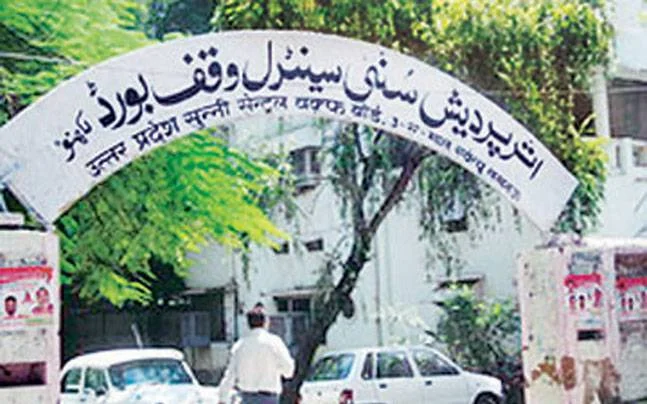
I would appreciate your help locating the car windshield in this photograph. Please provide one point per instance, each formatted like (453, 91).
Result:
(158, 371)
(334, 367)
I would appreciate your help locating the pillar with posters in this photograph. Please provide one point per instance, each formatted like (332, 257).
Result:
(29, 320)
(584, 321)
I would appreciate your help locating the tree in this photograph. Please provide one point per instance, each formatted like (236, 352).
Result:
(195, 190)
(533, 58)
(186, 16)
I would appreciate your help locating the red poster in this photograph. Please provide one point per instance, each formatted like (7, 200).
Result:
(632, 298)
(27, 296)
(585, 299)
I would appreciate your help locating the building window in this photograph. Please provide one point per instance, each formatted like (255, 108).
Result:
(212, 322)
(455, 226)
(314, 245)
(454, 215)
(448, 287)
(195, 329)
(298, 160)
(627, 101)
(293, 319)
(306, 166)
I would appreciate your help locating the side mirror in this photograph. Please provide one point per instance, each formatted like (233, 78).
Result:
(101, 391)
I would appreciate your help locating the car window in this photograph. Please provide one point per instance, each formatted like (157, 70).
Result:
(431, 364)
(367, 370)
(393, 364)
(334, 367)
(95, 379)
(160, 371)
(71, 381)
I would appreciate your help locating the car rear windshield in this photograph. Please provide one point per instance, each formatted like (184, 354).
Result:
(158, 371)
(334, 367)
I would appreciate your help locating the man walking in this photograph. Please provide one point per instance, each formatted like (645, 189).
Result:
(257, 363)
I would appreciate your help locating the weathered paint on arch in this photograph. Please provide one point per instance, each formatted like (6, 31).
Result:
(96, 123)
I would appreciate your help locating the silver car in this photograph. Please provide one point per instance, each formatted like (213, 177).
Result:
(396, 375)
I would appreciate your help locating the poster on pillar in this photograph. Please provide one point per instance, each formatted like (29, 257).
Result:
(631, 295)
(29, 322)
(26, 293)
(585, 300)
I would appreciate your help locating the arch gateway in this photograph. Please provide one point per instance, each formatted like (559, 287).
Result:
(89, 127)
(94, 124)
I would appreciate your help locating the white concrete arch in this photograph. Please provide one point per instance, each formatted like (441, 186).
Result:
(97, 122)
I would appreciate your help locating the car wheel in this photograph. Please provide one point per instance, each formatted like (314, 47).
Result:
(487, 399)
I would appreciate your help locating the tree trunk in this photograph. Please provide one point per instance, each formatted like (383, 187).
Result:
(327, 311)
(326, 315)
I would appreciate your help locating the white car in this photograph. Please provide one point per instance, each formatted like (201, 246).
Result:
(133, 376)
(396, 375)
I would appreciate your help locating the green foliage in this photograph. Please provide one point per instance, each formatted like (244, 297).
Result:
(173, 16)
(534, 58)
(53, 40)
(118, 241)
(163, 205)
(483, 337)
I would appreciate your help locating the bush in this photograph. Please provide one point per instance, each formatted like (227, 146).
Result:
(484, 337)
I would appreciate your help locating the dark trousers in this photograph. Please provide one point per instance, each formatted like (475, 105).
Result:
(259, 398)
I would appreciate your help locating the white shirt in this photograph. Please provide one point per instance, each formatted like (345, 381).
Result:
(257, 363)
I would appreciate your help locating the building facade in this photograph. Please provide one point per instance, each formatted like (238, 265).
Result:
(396, 296)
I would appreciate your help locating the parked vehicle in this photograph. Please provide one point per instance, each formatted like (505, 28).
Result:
(133, 376)
(396, 375)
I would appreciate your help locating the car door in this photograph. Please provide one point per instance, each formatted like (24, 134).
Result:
(440, 381)
(395, 381)
(364, 387)
(71, 386)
